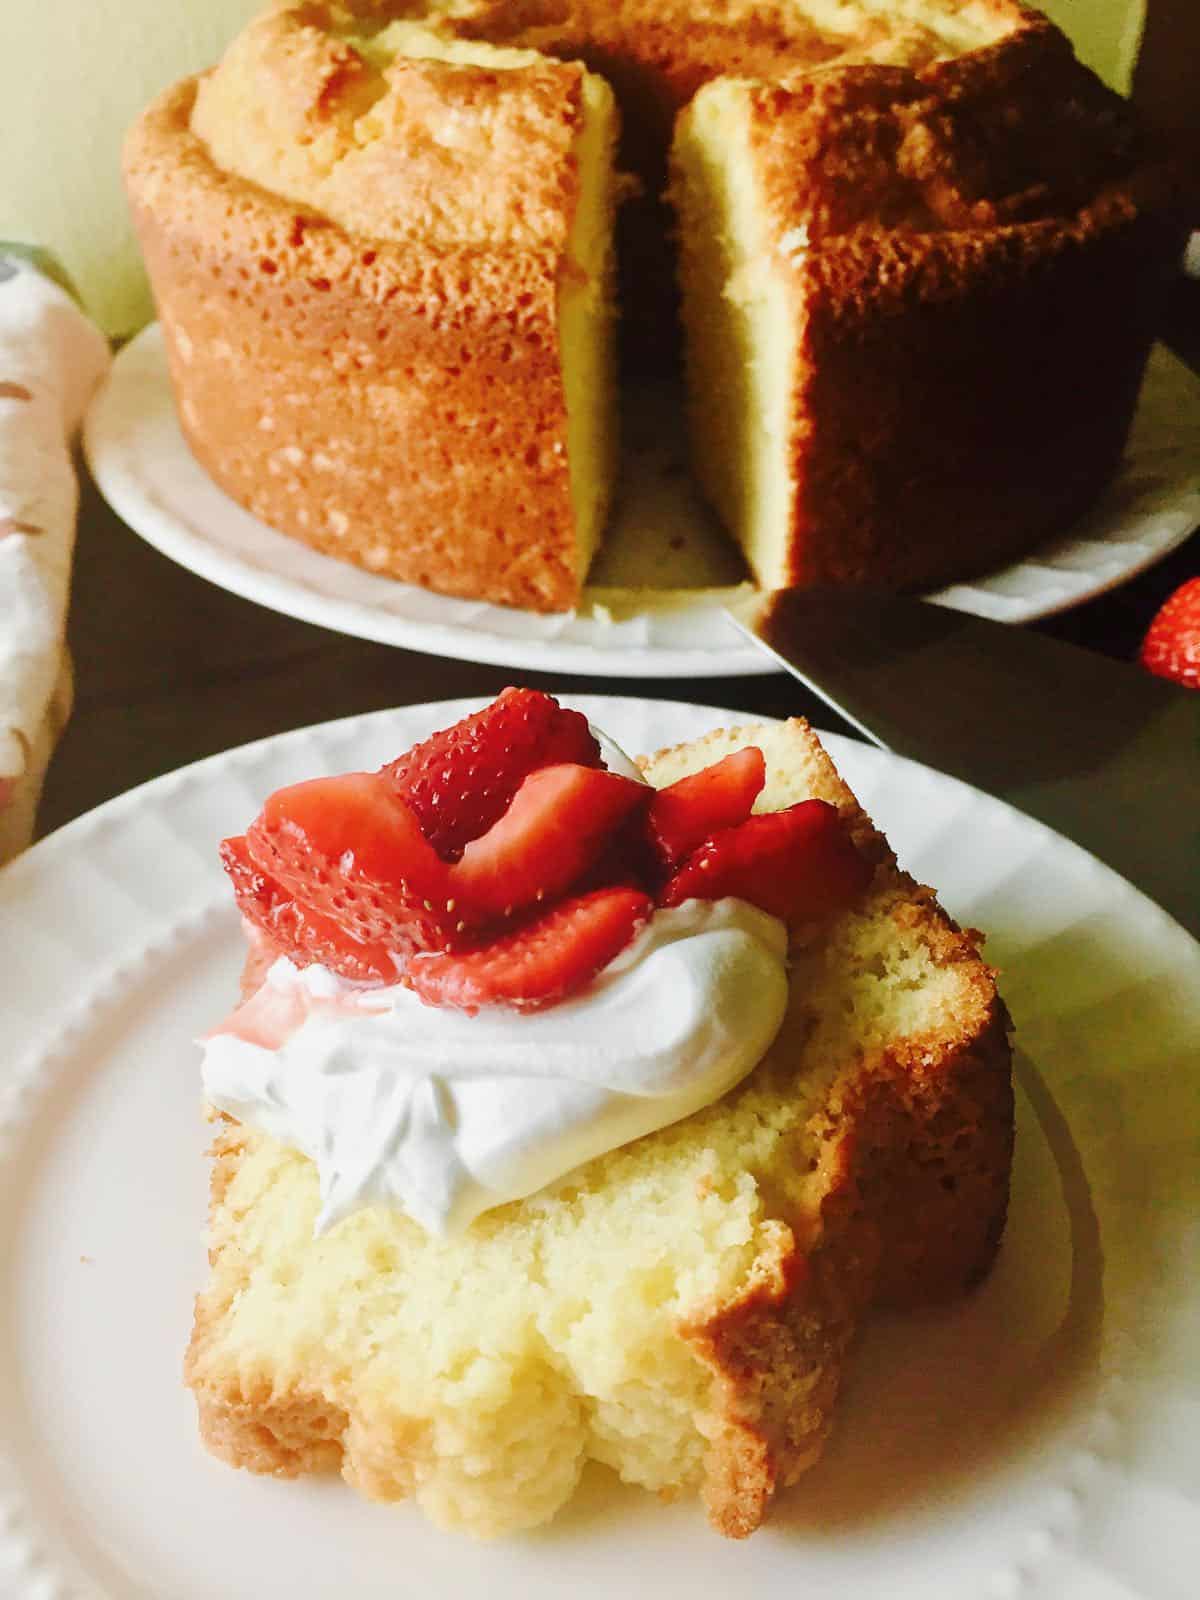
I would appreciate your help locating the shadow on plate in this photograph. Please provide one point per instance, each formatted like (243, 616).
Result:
(936, 1400)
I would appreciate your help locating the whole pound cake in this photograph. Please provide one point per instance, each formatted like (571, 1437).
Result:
(679, 1308)
(918, 243)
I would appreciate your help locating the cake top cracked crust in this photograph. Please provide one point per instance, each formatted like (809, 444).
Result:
(1016, 133)
(402, 136)
(685, 45)
(452, 122)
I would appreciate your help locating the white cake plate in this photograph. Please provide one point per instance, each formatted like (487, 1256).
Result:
(628, 625)
(1039, 1440)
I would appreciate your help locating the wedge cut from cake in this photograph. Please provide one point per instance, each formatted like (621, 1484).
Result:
(679, 1308)
(383, 264)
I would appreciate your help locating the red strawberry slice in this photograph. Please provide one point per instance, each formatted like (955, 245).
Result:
(295, 930)
(684, 814)
(350, 849)
(539, 964)
(799, 864)
(559, 821)
(625, 859)
(1171, 648)
(460, 781)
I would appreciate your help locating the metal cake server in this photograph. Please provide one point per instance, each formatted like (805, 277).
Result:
(1101, 751)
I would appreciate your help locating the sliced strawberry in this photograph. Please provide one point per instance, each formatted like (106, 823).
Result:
(1171, 648)
(539, 964)
(304, 935)
(556, 826)
(684, 814)
(460, 781)
(799, 864)
(350, 849)
(625, 859)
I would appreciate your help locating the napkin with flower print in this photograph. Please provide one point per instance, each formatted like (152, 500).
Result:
(51, 360)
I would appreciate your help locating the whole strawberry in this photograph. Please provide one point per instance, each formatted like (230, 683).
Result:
(1171, 647)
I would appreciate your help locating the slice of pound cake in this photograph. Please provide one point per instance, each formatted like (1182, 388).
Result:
(640, 1247)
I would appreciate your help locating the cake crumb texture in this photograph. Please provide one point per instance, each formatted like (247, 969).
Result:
(678, 1309)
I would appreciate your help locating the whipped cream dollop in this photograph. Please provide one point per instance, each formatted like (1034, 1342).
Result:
(446, 1115)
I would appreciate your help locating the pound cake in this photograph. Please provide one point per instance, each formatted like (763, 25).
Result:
(918, 246)
(680, 1306)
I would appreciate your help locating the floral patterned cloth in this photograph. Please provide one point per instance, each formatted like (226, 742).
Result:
(51, 359)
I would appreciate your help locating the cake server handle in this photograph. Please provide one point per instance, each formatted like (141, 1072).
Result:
(1101, 751)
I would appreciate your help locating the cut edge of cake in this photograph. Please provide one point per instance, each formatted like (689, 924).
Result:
(882, 1176)
(587, 322)
(587, 311)
(741, 340)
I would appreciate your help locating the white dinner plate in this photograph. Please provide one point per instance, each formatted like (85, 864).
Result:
(1039, 1439)
(628, 625)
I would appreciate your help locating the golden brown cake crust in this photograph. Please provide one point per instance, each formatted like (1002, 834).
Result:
(442, 154)
(907, 1218)
(914, 1148)
(393, 404)
(915, 1155)
(675, 46)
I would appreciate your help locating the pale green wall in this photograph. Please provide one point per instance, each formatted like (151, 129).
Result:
(1106, 34)
(74, 73)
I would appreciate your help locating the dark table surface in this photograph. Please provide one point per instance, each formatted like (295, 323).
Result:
(170, 668)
